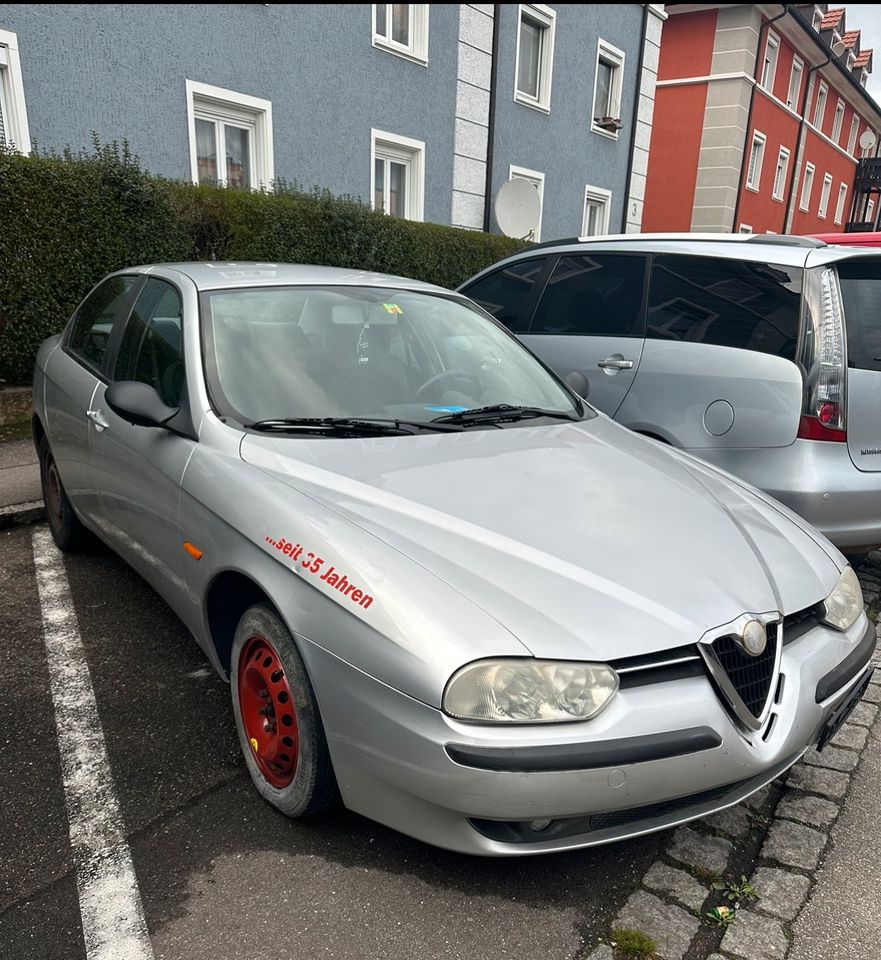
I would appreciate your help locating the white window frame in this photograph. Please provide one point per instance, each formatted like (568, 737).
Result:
(15, 113)
(838, 121)
(852, 136)
(825, 191)
(840, 202)
(772, 42)
(807, 188)
(391, 146)
(818, 18)
(870, 211)
(795, 77)
(752, 183)
(778, 188)
(537, 179)
(207, 102)
(822, 90)
(606, 51)
(545, 17)
(745, 228)
(597, 197)
(417, 49)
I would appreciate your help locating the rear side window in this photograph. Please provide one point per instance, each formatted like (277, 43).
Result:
(593, 295)
(861, 296)
(94, 319)
(504, 293)
(729, 303)
(151, 349)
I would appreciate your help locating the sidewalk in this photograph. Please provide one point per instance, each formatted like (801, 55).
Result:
(21, 500)
(842, 917)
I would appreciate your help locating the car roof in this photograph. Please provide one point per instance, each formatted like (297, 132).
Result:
(214, 275)
(782, 250)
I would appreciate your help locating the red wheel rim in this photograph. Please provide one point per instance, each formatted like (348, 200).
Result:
(268, 714)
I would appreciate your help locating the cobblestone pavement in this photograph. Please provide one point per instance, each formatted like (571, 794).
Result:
(776, 840)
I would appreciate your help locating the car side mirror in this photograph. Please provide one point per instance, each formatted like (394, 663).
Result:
(138, 403)
(578, 383)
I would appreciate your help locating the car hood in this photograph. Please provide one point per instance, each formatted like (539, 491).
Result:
(582, 539)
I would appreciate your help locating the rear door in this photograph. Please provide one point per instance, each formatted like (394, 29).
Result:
(72, 377)
(590, 320)
(718, 368)
(860, 281)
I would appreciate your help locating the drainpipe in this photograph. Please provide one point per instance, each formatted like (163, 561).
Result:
(491, 123)
(800, 144)
(636, 93)
(744, 158)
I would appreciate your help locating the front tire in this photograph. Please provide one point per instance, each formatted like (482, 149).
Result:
(279, 726)
(67, 531)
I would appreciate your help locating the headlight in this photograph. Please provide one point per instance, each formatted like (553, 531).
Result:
(529, 691)
(842, 607)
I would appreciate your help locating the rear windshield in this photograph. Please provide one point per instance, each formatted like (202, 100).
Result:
(861, 294)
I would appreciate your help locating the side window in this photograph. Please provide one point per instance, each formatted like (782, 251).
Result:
(505, 292)
(730, 303)
(151, 349)
(94, 319)
(597, 295)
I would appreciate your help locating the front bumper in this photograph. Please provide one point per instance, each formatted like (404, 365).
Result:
(818, 481)
(398, 760)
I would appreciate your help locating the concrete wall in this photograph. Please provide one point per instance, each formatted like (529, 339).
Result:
(561, 144)
(119, 70)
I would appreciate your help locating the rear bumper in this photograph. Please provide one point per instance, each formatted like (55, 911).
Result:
(471, 787)
(818, 481)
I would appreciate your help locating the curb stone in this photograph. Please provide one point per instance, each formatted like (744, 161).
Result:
(21, 514)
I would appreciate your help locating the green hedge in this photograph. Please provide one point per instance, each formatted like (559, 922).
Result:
(66, 221)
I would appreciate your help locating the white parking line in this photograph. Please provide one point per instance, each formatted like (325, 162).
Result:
(112, 915)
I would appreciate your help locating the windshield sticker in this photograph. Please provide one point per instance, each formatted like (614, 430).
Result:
(434, 408)
(393, 308)
(304, 561)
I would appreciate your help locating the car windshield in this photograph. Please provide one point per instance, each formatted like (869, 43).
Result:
(364, 352)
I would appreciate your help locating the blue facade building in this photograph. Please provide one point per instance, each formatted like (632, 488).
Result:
(424, 110)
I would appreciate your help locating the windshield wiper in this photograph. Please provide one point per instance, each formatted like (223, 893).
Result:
(348, 425)
(500, 412)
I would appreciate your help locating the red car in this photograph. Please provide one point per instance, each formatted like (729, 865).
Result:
(851, 239)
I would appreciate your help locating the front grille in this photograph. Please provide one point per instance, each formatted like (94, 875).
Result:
(797, 624)
(751, 677)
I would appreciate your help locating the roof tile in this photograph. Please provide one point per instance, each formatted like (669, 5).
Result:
(831, 18)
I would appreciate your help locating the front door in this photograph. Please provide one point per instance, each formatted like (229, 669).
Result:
(139, 469)
(590, 320)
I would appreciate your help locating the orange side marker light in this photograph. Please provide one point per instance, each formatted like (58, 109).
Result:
(194, 552)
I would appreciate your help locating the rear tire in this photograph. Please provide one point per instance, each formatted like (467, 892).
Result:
(67, 531)
(279, 726)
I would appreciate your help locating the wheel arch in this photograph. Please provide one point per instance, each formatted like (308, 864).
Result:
(228, 596)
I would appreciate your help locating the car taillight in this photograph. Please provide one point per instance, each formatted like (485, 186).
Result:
(823, 359)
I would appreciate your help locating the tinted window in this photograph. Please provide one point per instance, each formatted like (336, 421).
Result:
(731, 303)
(505, 292)
(151, 348)
(861, 295)
(594, 295)
(94, 319)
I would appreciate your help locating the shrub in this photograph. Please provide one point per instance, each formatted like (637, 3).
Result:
(66, 221)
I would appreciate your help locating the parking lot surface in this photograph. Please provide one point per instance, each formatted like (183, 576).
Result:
(221, 874)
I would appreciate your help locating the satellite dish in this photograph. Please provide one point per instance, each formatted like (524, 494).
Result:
(867, 140)
(518, 208)
(838, 48)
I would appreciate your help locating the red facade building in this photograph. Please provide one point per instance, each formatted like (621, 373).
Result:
(761, 116)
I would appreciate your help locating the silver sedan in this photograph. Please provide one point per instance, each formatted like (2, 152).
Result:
(444, 589)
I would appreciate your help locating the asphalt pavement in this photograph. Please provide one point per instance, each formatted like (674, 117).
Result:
(221, 874)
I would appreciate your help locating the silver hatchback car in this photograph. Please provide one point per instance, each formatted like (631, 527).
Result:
(760, 354)
(439, 583)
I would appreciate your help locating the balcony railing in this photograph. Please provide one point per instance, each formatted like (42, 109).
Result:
(866, 188)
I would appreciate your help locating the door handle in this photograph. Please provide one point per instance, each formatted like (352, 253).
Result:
(612, 364)
(97, 417)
